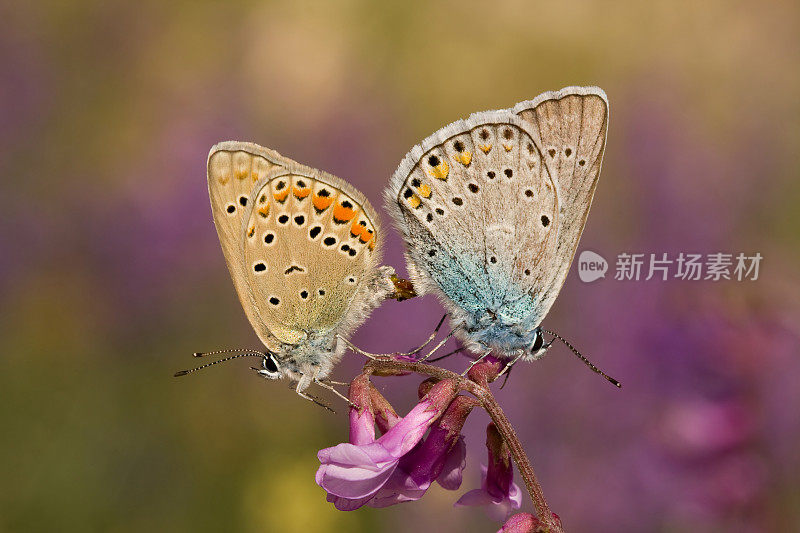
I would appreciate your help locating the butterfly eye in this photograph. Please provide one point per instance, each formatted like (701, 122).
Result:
(270, 366)
(538, 342)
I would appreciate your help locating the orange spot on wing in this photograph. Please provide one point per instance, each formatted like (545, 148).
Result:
(508, 147)
(366, 236)
(241, 174)
(356, 229)
(342, 213)
(254, 175)
(264, 211)
(251, 231)
(414, 201)
(424, 190)
(301, 193)
(485, 148)
(281, 196)
(321, 203)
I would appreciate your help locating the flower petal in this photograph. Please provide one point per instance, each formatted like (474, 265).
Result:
(454, 464)
(474, 498)
(407, 433)
(362, 426)
(353, 482)
(400, 488)
(347, 504)
(352, 471)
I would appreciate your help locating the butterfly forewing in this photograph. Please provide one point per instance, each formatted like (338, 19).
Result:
(572, 124)
(309, 240)
(233, 170)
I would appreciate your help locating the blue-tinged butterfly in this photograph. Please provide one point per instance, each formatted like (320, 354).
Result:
(491, 209)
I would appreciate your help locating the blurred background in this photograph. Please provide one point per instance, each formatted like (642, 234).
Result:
(111, 273)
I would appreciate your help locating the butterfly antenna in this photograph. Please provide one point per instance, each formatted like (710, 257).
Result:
(584, 359)
(250, 354)
(230, 350)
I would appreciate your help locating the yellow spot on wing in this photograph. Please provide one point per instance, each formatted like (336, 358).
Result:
(281, 196)
(224, 178)
(254, 175)
(465, 158)
(414, 201)
(321, 203)
(508, 147)
(424, 190)
(440, 171)
(485, 148)
(241, 174)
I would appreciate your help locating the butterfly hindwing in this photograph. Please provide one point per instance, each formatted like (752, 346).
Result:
(309, 240)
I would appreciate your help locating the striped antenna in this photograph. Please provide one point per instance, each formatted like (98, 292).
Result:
(189, 371)
(582, 358)
(229, 350)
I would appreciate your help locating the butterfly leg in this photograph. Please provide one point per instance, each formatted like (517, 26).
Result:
(476, 361)
(341, 383)
(457, 350)
(312, 399)
(427, 342)
(436, 348)
(302, 385)
(371, 355)
(327, 385)
(509, 365)
(358, 350)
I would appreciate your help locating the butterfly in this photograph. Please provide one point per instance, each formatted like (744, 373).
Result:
(491, 209)
(303, 248)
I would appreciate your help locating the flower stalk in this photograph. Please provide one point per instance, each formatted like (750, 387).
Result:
(476, 384)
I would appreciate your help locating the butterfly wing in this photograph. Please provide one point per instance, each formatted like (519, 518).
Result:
(310, 248)
(469, 201)
(233, 169)
(572, 125)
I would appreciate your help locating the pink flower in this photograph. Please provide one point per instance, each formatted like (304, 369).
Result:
(441, 457)
(498, 492)
(353, 473)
